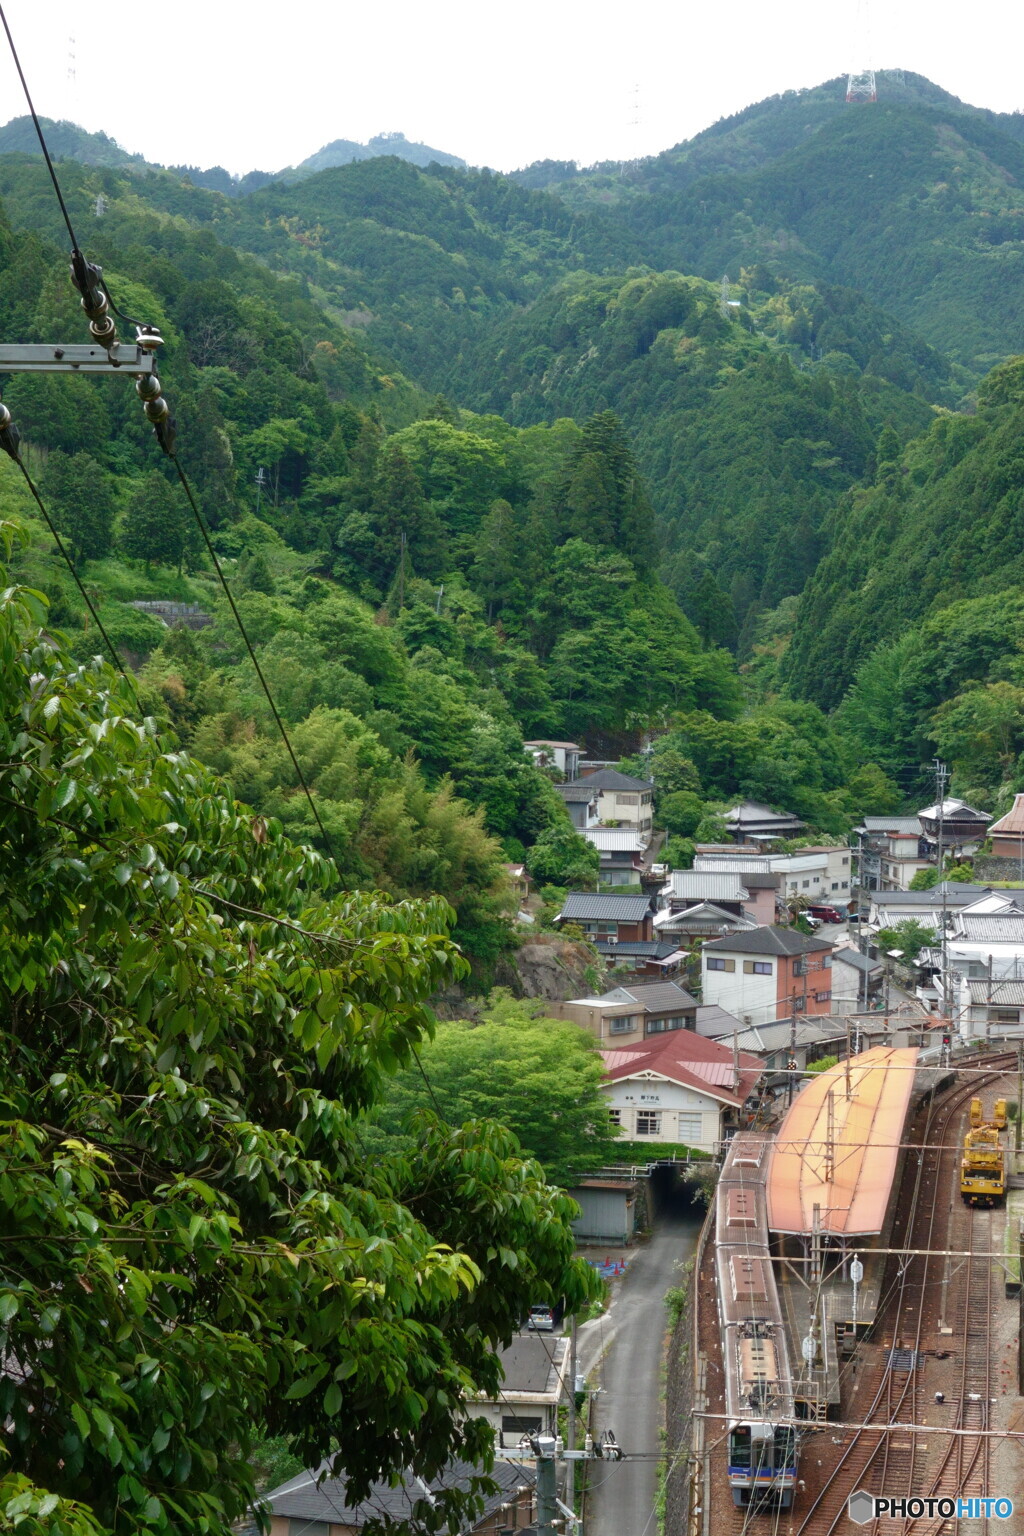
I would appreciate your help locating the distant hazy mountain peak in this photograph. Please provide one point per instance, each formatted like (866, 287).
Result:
(344, 151)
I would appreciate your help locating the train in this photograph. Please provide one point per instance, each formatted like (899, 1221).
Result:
(761, 1444)
(983, 1164)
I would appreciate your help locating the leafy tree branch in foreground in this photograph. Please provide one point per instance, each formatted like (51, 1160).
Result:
(195, 1247)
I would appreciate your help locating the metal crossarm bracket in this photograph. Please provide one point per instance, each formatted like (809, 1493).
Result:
(122, 357)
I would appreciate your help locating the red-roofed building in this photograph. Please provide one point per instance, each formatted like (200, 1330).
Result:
(679, 1088)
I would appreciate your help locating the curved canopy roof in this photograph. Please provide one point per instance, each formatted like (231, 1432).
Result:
(841, 1153)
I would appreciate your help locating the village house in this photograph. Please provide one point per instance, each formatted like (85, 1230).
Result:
(564, 756)
(751, 896)
(888, 908)
(963, 829)
(609, 917)
(651, 958)
(1007, 833)
(307, 1506)
(679, 1089)
(856, 980)
(630, 1013)
(581, 803)
(768, 974)
(621, 852)
(703, 921)
(984, 966)
(622, 801)
(535, 1367)
(753, 822)
(891, 851)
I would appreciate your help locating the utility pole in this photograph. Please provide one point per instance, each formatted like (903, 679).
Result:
(570, 1466)
(1020, 1103)
(547, 1493)
(941, 779)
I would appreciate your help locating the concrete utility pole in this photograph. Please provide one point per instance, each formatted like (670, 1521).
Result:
(570, 1466)
(547, 1493)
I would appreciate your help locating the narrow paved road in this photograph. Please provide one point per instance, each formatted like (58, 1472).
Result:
(622, 1494)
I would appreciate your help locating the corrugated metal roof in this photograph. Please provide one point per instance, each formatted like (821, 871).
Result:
(718, 1072)
(705, 885)
(617, 909)
(615, 839)
(892, 824)
(954, 811)
(866, 1130)
(720, 864)
(705, 917)
(658, 996)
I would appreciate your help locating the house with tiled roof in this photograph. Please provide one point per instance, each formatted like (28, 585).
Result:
(606, 916)
(767, 974)
(628, 1014)
(622, 800)
(315, 1504)
(581, 803)
(681, 1089)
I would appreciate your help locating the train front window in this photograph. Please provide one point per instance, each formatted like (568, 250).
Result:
(785, 1448)
(762, 1459)
(739, 1447)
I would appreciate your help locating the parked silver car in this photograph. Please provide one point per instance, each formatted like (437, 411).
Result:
(541, 1320)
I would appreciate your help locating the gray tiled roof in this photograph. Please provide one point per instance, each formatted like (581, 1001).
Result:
(892, 824)
(854, 958)
(1001, 994)
(656, 996)
(992, 928)
(581, 905)
(653, 949)
(769, 941)
(532, 1363)
(301, 1499)
(611, 778)
(576, 791)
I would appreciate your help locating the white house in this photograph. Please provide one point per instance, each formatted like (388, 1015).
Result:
(622, 801)
(768, 974)
(563, 755)
(679, 1088)
(535, 1367)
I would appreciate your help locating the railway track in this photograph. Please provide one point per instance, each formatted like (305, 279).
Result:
(877, 1457)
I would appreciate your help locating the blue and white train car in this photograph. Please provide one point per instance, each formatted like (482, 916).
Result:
(761, 1442)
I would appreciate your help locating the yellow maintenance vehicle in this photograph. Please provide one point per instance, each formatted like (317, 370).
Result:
(983, 1166)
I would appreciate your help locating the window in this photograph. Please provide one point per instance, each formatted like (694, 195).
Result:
(657, 1026)
(625, 1024)
(823, 997)
(798, 1004)
(845, 863)
(626, 800)
(805, 884)
(648, 1122)
(835, 885)
(615, 1116)
(826, 963)
(308, 1528)
(757, 968)
(526, 1425)
(716, 963)
(691, 1128)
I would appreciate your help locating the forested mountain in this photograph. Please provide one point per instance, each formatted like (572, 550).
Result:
(916, 200)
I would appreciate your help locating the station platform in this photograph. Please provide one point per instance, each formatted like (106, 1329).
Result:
(831, 1186)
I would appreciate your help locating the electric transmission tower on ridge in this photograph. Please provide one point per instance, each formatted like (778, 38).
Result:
(860, 83)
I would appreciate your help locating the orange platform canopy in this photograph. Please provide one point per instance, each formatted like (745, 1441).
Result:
(838, 1146)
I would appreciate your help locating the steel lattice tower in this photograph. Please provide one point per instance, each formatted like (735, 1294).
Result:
(860, 86)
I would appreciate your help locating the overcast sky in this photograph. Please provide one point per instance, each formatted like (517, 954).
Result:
(255, 86)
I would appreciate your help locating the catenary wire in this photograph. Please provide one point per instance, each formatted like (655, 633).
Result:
(39, 132)
(211, 551)
(51, 525)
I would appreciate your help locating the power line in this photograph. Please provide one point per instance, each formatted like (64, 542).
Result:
(9, 442)
(39, 135)
(211, 551)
